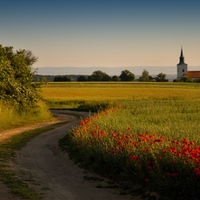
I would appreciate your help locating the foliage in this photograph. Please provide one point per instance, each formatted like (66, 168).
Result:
(161, 78)
(126, 75)
(50, 78)
(115, 78)
(81, 78)
(16, 86)
(186, 79)
(99, 76)
(145, 76)
(60, 78)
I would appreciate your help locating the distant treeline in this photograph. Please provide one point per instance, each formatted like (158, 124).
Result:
(52, 78)
(98, 75)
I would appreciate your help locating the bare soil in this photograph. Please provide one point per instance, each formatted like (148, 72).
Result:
(52, 174)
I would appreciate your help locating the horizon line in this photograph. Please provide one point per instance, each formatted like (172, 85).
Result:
(112, 66)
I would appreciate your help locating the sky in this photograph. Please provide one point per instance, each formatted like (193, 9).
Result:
(103, 33)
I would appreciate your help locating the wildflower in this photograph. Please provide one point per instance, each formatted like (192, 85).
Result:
(144, 150)
(164, 151)
(158, 140)
(174, 174)
(185, 141)
(146, 180)
(134, 158)
(177, 154)
(151, 136)
(173, 149)
(197, 171)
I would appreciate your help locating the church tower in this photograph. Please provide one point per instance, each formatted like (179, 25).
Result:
(181, 67)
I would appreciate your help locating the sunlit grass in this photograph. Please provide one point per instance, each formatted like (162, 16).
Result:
(150, 136)
(152, 143)
(12, 118)
(75, 94)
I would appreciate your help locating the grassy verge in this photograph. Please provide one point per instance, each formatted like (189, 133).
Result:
(10, 118)
(8, 148)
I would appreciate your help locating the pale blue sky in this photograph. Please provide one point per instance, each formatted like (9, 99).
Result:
(106, 33)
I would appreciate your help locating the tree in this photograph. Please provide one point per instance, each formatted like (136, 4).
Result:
(161, 78)
(99, 76)
(81, 78)
(145, 76)
(16, 76)
(28, 56)
(115, 78)
(126, 75)
(186, 79)
(64, 78)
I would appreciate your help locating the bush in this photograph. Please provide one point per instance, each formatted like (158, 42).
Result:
(16, 87)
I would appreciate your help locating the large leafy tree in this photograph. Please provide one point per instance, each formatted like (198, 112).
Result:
(145, 76)
(126, 75)
(16, 75)
(99, 76)
(161, 78)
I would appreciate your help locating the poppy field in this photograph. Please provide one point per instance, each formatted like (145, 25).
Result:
(158, 162)
(147, 141)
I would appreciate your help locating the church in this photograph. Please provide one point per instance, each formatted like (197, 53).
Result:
(182, 69)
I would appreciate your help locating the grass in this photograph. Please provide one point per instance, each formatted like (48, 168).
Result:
(8, 148)
(150, 137)
(109, 145)
(10, 118)
(87, 95)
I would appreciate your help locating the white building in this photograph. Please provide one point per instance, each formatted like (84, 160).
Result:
(181, 67)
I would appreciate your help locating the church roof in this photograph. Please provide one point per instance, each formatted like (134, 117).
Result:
(193, 74)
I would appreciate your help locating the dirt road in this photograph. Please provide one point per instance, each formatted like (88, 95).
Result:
(54, 175)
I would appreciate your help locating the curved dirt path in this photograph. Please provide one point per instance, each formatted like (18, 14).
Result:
(50, 172)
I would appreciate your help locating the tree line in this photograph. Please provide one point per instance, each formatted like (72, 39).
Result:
(98, 75)
(125, 75)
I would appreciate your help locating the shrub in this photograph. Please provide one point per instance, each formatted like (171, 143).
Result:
(16, 87)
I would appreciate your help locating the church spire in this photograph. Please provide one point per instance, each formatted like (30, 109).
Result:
(181, 57)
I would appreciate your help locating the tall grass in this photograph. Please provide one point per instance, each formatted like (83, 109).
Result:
(172, 118)
(151, 139)
(154, 143)
(12, 118)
